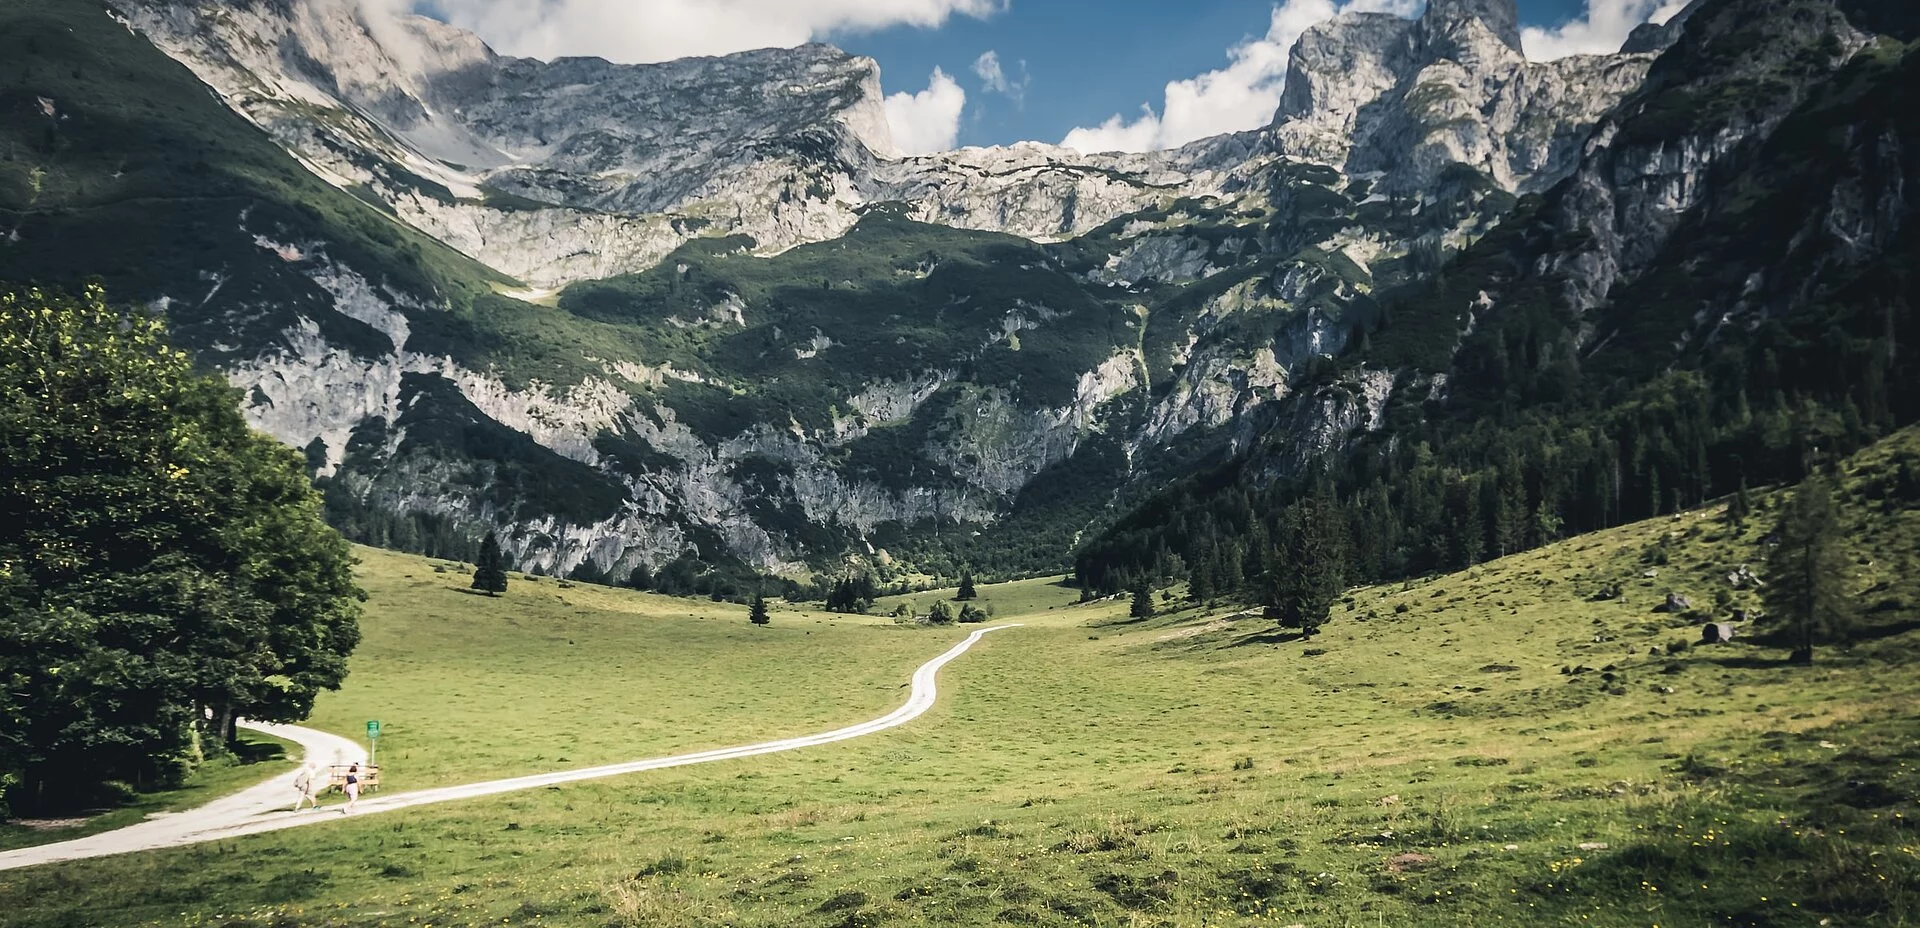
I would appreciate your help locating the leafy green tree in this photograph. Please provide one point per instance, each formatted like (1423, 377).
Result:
(940, 613)
(972, 615)
(641, 578)
(1807, 571)
(757, 613)
(165, 569)
(490, 569)
(966, 591)
(1142, 607)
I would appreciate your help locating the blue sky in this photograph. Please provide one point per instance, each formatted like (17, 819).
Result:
(1084, 60)
(1099, 75)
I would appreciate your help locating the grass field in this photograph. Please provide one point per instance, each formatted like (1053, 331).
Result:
(1491, 748)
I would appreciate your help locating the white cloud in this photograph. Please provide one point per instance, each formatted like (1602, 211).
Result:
(993, 77)
(661, 30)
(1241, 96)
(1600, 32)
(927, 121)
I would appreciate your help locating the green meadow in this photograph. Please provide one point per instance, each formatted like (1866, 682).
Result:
(1514, 745)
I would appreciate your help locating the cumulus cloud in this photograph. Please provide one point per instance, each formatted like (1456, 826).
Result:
(994, 79)
(661, 30)
(927, 121)
(1241, 96)
(1601, 31)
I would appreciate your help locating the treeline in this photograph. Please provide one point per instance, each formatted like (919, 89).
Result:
(1495, 470)
(165, 570)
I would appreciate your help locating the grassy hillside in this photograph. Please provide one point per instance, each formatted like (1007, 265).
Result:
(116, 162)
(1491, 748)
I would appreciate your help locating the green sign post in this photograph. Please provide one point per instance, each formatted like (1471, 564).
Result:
(373, 740)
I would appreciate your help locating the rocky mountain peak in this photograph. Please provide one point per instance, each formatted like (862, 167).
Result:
(1409, 99)
(1445, 19)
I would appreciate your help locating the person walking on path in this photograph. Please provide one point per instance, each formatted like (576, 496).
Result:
(352, 788)
(305, 787)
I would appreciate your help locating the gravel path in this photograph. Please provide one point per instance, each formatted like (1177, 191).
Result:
(265, 807)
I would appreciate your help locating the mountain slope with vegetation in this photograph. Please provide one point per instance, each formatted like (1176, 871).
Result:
(902, 392)
(1703, 304)
(1533, 741)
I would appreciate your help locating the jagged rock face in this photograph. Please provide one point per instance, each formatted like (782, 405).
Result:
(580, 170)
(1652, 159)
(1376, 93)
(554, 172)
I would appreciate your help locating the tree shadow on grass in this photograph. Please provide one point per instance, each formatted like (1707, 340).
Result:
(1271, 636)
(1750, 662)
(254, 752)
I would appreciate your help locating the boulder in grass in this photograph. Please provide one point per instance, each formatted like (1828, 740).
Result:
(1675, 603)
(1716, 633)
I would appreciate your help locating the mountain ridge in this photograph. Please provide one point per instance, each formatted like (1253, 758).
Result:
(883, 372)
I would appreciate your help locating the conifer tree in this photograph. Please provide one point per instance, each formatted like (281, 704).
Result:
(490, 570)
(1311, 565)
(1740, 508)
(966, 591)
(1142, 607)
(1806, 589)
(1200, 579)
(757, 613)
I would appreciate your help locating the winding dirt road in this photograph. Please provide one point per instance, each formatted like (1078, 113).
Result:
(265, 807)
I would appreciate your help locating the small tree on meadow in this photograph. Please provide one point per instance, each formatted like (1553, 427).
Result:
(1142, 601)
(1200, 580)
(757, 613)
(966, 591)
(1807, 571)
(1740, 508)
(940, 613)
(972, 615)
(490, 571)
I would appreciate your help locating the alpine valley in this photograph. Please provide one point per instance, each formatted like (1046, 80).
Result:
(703, 318)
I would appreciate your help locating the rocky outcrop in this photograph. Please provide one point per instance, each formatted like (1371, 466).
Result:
(1650, 161)
(1372, 92)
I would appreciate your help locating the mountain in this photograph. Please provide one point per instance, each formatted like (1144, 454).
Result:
(703, 312)
(1717, 295)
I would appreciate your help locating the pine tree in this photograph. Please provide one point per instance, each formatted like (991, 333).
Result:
(490, 571)
(1200, 579)
(966, 591)
(757, 613)
(1740, 508)
(1510, 511)
(1806, 572)
(1142, 601)
(1311, 565)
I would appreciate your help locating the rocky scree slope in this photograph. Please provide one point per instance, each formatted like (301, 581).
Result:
(811, 346)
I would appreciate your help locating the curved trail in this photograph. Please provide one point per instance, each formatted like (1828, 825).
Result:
(264, 807)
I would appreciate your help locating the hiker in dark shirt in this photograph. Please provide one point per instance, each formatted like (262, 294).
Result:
(353, 788)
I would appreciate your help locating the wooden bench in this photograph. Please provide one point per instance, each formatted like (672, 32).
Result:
(337, 778)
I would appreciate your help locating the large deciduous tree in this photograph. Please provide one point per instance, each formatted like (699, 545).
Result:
(165, 570)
